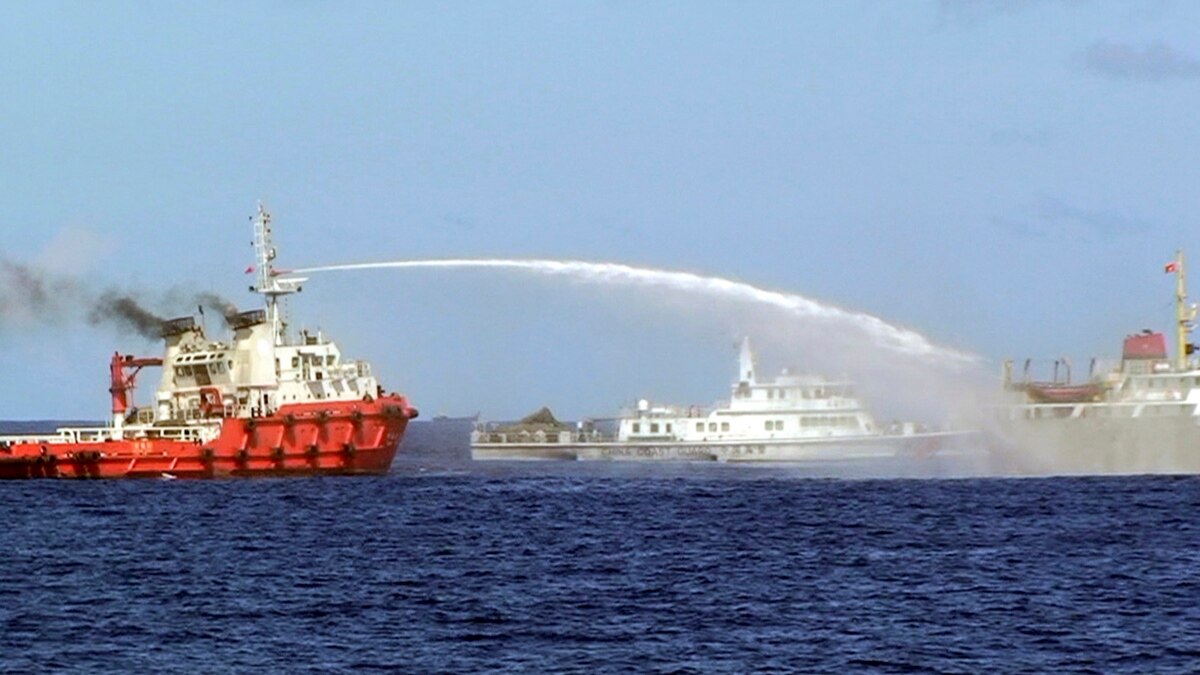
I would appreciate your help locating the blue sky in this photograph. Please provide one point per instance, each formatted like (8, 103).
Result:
(1005, 177)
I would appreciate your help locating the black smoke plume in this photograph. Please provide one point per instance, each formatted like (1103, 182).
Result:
(226, 308)
(24, 290)
(125, 312)
(27, 293)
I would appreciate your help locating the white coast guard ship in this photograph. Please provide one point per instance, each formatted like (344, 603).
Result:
(791, 418)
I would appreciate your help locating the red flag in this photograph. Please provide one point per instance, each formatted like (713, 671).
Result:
(250, 269)
(1171, 267)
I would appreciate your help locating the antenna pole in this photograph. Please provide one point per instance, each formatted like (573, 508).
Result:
(1183, 317)
(271, 285)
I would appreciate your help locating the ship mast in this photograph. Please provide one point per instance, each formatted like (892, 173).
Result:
(1184, 315)
(270, 285)
(746, 369)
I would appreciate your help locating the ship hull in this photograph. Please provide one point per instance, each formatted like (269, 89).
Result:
(919, 445)
(326, 438)
(1143, 445)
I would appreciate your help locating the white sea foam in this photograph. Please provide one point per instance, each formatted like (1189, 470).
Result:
(885, 335)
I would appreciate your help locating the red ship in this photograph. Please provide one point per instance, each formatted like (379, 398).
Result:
(260, 404)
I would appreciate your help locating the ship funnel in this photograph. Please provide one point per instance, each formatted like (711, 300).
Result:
(248, 319)
(173, 327)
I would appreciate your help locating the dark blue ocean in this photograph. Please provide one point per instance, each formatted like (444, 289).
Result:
(446, 566)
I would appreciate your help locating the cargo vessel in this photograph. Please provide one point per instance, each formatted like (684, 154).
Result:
(789, 418)
(261, 403)
(1139, 415)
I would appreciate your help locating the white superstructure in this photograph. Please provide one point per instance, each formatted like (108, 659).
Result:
(788, 407)
(262, 367)
(789, 418)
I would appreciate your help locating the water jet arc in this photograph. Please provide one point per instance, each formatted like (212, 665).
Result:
(895, 338)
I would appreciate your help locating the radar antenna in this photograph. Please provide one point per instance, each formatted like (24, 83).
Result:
(270, 284)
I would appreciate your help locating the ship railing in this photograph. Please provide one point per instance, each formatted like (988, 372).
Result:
(101, 434)
(227, 410)
(30, 438)
(177, 433)
(539, 437)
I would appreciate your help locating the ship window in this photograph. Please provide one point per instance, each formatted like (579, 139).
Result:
(329, 360)
(712, 426)
(295, 361)
(637, 428)
(770, 425)
(724, 426)
(770, 393)
(187, 371)
(668, 429)
(700, 426)
(654, 428)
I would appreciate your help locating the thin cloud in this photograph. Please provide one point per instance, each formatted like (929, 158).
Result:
(1051, 216)
(1152, 63)
(971, 12)
(1102, 222)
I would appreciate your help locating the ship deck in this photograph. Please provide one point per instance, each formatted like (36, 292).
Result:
(595, 447)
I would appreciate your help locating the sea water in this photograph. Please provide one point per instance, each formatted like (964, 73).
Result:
(445, 565)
